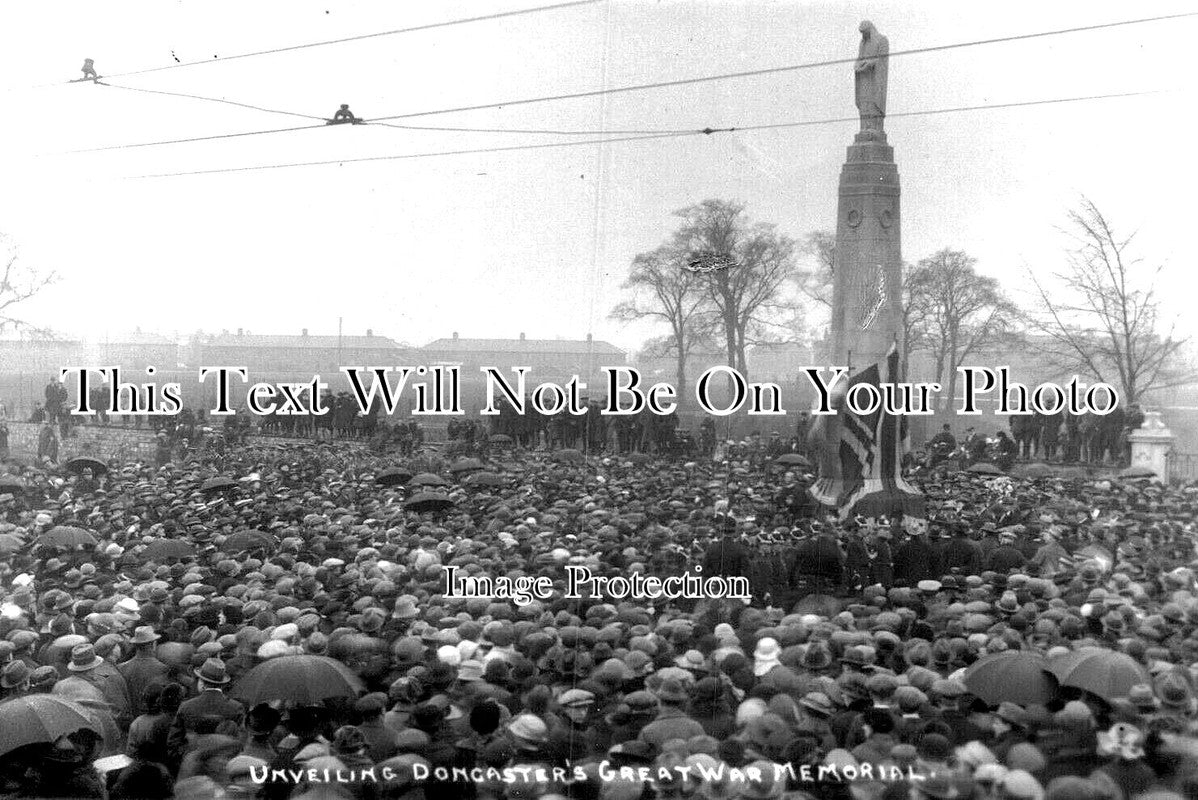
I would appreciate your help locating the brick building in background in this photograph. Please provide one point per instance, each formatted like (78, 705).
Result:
(291, 355)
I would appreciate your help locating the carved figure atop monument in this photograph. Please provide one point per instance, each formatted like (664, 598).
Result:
(870, 71)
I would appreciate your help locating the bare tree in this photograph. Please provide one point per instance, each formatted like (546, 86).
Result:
(664, 290)
(1105, 319)
(748, 297)
(18, 283)
(915, 315)
(962, 313)
(816, 284)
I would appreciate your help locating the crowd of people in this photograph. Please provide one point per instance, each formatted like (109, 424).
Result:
(150, 600)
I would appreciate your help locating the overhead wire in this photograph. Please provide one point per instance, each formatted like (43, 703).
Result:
(190, 139)
(642, 137)
(776, 70)
(346, 39)
(104, 82)
(387, 120)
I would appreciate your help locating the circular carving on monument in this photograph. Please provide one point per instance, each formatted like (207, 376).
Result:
(887, 219)
(854, 218)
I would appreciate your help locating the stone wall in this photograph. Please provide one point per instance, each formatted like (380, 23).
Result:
(88, 440)
(123, 444)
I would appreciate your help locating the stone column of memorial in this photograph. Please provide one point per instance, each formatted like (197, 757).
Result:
(866, 302)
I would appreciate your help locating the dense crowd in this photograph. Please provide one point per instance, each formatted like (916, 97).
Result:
(185, 614)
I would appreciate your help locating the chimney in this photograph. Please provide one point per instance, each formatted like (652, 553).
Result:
(369, 333)
(305, 332)
(240, 332)
(455, 334)
(590, 338)
(521, 335)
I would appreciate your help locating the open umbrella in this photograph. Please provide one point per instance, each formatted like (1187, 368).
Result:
(1019, 676)
(890, 503)
(427, 501)
(393, 476)
(11, 484)
(983, 468)
(1138, 471)
(218, 485)
(428, 479)
(485, 479)
(792, 460)
(10, 544)
(466, 465)
(246, 540)
(1106, 673)
(499, 438)
(302, 679)
(1037, 471)
(162, 549)
(80, 463)
(66, 536)
(568, 454)
(38, 719)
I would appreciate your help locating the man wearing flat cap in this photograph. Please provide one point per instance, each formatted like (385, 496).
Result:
(571, 733)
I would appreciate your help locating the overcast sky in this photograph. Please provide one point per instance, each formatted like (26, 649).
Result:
(538, 241)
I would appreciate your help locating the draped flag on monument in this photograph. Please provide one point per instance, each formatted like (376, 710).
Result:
(871, 449)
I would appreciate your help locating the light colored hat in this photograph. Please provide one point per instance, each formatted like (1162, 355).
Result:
(576, 698)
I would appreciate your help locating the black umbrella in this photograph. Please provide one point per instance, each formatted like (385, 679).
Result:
(40, 718)
(889, 503)
(246, 540)
(11, 484)
(500, 438)
(218, 485)
(66, 536)
(792, 459)
(983, 468)
(161, 549)
(429, 479)
(393, 476)
(485, 479)
(1020, 676)
(302, 679)
(466, 465)
(80, 463)
(428, 501)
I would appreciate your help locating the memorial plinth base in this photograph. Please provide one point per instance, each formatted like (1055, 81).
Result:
(1151, 444)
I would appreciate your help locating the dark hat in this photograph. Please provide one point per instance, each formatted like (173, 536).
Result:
(263, 719)
(84, 658)
(43, 678)
(348, 740)
(485, 717)
(934, 747)
(15, 674)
